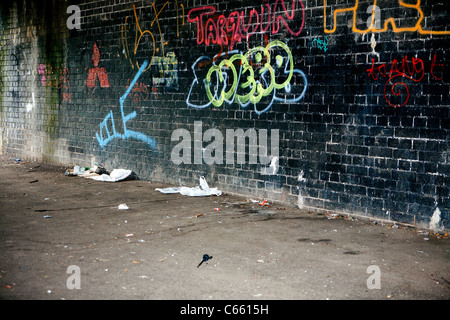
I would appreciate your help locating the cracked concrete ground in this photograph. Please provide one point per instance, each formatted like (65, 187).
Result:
(50, 222)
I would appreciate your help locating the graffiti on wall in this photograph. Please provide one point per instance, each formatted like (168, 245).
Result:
(108, 125)
(96, 71)
(139, 92)
(144, 40)
(217, 29)
(167, 70)
(56, 77)
(398, 95)
(320, 44)
(263, 75)
(412, 11)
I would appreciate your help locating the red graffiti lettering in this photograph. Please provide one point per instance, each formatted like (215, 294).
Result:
(221, 30)
(139, 92)
(433, 64)
(414, 71)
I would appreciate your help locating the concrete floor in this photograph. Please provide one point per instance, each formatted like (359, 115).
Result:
(64, 238)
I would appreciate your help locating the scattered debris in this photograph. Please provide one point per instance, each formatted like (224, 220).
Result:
(47, 216)
(33, 181)
(77, 170)
(261, 203)
(32, 169)
(217, 209)
(115, 176)
(435, 220)
(205, 258)
(199, 215)
(101, 260)
(442, 280)
(99, 173)
(200, 191)
(123, 206)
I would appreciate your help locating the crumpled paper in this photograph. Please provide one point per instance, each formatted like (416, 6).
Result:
(114, 176)
(203, 190)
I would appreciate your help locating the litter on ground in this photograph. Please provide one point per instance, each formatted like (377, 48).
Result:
(206, 257)
(99, 173)
(261, 203)
(114, 176)
(202, 190)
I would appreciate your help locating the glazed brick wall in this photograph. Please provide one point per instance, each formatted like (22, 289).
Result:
(347, 144)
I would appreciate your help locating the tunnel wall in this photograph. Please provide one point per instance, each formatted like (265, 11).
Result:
(327, 105)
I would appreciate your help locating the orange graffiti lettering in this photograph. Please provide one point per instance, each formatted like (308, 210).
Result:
(390, 21)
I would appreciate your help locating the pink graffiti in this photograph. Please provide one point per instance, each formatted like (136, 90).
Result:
(221, 30)
(54, 77)
(42, 71)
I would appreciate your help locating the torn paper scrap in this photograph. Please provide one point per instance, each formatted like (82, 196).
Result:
(168, 190)
(203, 190)
(198, 192)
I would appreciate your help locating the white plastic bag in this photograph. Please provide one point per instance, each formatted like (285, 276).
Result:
(114, 176)
(203, 190)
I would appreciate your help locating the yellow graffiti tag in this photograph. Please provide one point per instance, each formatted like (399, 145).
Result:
(141, 33)
(391, 21)
(257, 90)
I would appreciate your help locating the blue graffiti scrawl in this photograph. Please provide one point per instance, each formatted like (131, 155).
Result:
(111, 132)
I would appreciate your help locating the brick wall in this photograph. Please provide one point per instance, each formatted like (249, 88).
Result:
(350, 100)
